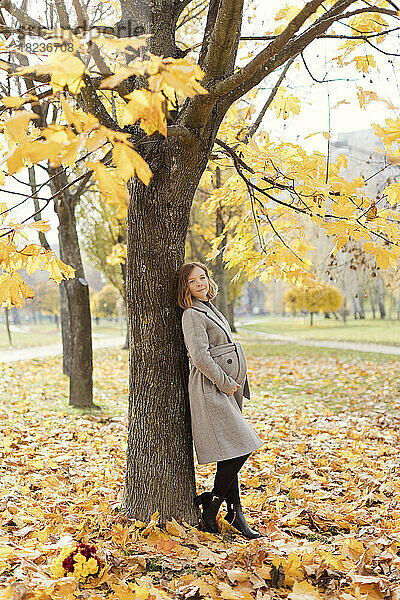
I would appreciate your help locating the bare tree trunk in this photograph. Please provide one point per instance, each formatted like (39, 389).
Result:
(380, 297)
(372, 301)
(126, 343)
(79, 326)
(123, 270)
(160, 469)
(361, 303)
(15, 316)
(219, 272)
(231, 315)
(358, 307)
(391, 306)
(65, 328)
(8, 326)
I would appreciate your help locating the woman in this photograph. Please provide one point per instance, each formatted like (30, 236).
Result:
(217, 384)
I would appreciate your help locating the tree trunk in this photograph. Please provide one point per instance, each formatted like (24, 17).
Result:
(361, 304)
(372, 301)
(8, 326)
(311, 319)
(160, 468)
(126, 344)
(65, 328)
(231, 315)
(392, 305)
(79, 326)
(380, 297)
(219, 272)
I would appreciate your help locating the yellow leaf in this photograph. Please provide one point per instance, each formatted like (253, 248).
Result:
(392, 193)
(18, 124)
(13, 290)
(148, 107)
(304, 591)
(363, 63)
(284, 105)
(123, 592)
(130, 163)
(384, 256)
(235, 575)
(109, 185)
(288, 12)
(175, 76)
(16, 101)
(124, 42)
(118, 255)
(141, 591)
(66, 70)
(40, 225)
(57, 269)
(152, 523)
(175, 529)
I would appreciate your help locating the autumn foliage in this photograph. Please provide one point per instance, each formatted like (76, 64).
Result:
(323, 490)
(320, 298)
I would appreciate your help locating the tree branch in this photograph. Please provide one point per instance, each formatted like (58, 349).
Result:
(326, 36)
(221, 38)
(270, 98)
(92, 104)
(260, 62)
(249, 76)
(21, 16)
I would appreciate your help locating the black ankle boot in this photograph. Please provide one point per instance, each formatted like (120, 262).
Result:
(209, 513)
(203, 499)
(236, 518)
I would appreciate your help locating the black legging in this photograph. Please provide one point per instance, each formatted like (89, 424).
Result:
(226, 482)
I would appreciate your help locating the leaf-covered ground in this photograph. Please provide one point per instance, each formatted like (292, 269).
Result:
(325, 488)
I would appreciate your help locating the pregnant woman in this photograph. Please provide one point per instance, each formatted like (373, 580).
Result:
(217, 384)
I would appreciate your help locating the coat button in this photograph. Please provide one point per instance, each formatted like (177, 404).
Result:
(229, 360)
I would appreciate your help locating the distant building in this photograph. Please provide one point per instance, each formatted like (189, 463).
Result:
(366, 157)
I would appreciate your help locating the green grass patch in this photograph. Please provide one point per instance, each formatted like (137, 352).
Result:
(368, 330)
(29, 335)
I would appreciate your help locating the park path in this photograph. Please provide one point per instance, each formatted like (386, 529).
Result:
(55, 349)
(13, 355)
(287, 339)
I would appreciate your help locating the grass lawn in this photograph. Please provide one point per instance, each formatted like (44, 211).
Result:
(43, 334)
(368, 330)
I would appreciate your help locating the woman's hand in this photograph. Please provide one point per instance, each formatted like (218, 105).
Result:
(236, 388)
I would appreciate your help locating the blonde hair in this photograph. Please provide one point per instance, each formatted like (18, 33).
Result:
(184, 296)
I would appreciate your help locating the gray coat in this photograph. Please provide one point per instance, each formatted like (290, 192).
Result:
(217, 362)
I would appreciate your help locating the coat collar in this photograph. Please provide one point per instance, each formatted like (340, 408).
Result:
(214, 314)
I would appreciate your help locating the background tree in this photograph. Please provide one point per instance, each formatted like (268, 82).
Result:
(47, 300)
(104, 303)
(323, 298)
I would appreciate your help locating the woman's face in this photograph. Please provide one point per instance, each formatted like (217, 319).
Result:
(198, 283)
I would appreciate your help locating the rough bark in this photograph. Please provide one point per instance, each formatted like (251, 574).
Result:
(219, 272)
(65, 328)
(160, 470)
(76, 318)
